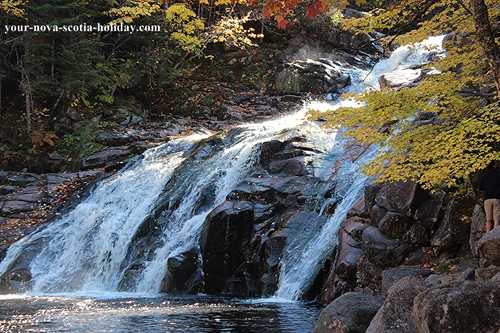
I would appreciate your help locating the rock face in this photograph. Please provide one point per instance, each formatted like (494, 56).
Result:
(307, 68)
(464, 306)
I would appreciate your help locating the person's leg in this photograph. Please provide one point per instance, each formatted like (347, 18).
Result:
(489, 225)
(496, 212)
(488, 209)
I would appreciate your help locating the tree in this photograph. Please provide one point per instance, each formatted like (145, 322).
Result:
(462, 103)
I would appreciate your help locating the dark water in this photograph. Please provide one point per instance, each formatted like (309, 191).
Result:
(159, 314)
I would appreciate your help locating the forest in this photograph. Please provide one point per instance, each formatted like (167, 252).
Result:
(95, 57)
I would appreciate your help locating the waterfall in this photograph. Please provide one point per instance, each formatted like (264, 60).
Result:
(304, 256)
(84, 250)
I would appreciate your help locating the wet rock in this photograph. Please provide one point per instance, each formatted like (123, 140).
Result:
(106, 158)
(184, 274)
(228, 231)
(294, 166)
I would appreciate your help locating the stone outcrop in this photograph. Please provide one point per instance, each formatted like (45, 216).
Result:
(461, 306)
(419, 299)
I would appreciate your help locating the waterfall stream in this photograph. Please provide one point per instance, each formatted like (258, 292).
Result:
(84, 250)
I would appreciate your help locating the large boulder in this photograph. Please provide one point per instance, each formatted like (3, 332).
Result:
(400, 197)
(350, 313)
(390, 277)
(489, 247)
(395, 315)
(228, 230)
(459, 307)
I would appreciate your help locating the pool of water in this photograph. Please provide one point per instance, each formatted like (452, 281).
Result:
(24, 313)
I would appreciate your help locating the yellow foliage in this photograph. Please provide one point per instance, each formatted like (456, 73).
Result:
(232, 33)
(133, 9)
(13, 7)
(186, 26)
(462, 135)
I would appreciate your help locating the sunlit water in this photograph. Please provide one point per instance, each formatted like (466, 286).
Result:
(158, 314)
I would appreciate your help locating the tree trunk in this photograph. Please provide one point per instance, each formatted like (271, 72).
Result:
(26, 89)
(486, 39)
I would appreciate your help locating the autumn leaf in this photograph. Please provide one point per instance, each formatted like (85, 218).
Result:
(281, 21)
(41, 138)
(312, 11)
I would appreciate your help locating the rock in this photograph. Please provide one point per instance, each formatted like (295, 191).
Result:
(400, 197)
(428, 212)
(390, 277)
(350, 313)
(459, 307)
(486, 273)
(407, 77)
(383, 251)
(309, 69)
(21, 179)
(377, 213)
(395, 224)
(400, 78)
(371, 192)
(478, 228)
(343, 277)
(489, 247)
(451, 231)
(395, 315)
(74, 114)
(116, 138)
(228, 230)
(105, 158)
(294, 166)
(184, 274)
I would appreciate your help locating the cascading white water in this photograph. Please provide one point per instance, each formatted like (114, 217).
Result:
(224, 170)
(84, 250)
(300, 263)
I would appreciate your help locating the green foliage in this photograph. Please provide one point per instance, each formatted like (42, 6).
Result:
(220, 69)
(462, 136)
(288, 82)
(443, 268)
(79, 144)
